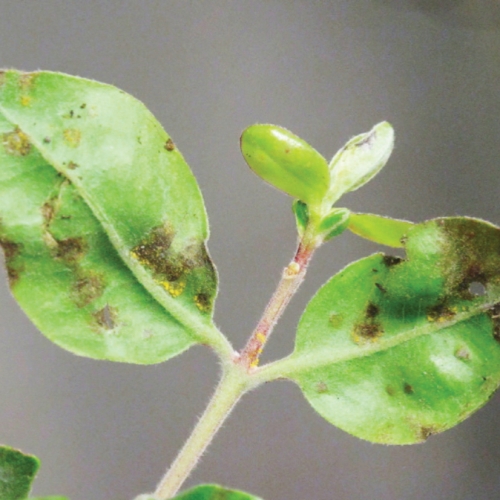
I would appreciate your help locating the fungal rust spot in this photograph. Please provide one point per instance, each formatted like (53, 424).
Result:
(87, 288)
(106, 317)
(70, 250)
(408, 389)
(170, 268)
(16, 143)
(203, 302)
(391, 260)
(321, 387)
(169, 145)
(72, 137)
(25, 100)
(440, 313)
(72, 165)
(26, 80)
(370, 331)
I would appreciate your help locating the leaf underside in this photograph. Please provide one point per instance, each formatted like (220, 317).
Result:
(101, 221)
(393, 350)
(17, 472)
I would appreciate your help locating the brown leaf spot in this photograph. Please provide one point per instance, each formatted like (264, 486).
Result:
(494, 314)
(372, 310)
(26, 81)
(72, 165)
(72, 137)
(408, 389)
(321, 387)
(381, 287)
(426, 432)
(11, 250)
(16, 143)
(71, 249)
(367, 332)
(390, 390)
(87, 288)
(106, 317)
(169, 145)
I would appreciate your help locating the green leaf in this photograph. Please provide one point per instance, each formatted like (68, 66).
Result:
(286, 161)
(394, 350)
(383, 230)
(360, 160)
(17, 472)
(214, 492)
(101, 221)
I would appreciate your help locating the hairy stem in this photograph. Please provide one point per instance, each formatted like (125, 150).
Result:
(232, 386)
(292, 278)
(238, 372)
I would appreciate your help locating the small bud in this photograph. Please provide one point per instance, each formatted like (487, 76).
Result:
(301, 215)
(286, 161)
(360, 160)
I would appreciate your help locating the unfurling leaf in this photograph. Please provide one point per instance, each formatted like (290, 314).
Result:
(334, 223)
(286, 161)
(383, 230)
(360, 160)
(393, 350)
(102, 223)
(17, 472)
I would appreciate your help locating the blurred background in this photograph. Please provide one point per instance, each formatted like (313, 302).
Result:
(327, 70)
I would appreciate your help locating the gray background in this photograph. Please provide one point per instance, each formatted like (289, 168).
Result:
(327, 70)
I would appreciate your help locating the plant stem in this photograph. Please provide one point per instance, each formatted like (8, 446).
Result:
(292, 277)
(237, 377)
(232, 386)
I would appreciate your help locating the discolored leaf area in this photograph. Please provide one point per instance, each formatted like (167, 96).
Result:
(102, 223)
(393, 350)
(17, 472)
(214, 492)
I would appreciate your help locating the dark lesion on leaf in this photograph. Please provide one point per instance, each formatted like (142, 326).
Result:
(87, 287)
(427, 431)
(440, 312)
(408, 388)
(391, 260)
(169, 145)
(70, 250)
(172, 269)
(370, 329)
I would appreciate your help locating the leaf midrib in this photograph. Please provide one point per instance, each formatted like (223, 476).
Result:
(299, 363)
